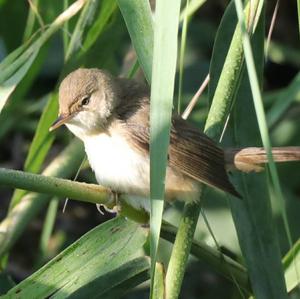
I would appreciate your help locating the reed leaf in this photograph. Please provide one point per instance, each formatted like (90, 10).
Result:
(138, 19)
(12, 74)
(99, 261)
(162, 90)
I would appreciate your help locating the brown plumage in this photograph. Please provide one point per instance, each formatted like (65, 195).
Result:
(191, 152)
(111, 116)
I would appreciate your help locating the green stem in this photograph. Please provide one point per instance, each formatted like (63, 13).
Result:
(223, 264)
(220, 108)
(298, 10)
(47, 231)
(181, 249)
(16, 221)
(64, 165)
(54, 186)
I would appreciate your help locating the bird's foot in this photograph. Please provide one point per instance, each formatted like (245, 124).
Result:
(116, 208)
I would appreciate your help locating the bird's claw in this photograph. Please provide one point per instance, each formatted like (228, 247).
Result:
(116, 208)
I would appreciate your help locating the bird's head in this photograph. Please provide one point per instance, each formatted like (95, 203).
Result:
(87, 98)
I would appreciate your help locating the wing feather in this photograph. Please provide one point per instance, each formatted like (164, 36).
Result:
(191, 152)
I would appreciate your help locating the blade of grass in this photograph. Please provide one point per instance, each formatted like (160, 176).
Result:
(298, 11)
(106, 253)
(26, 211)
(181, 55)
(12, 74)
(224, 75)
(138, 18)
(66, 38)
(252, 215)
(108, 7)
(30, 22)
(227, 83)
(283, 102)
(291, 262)
(261, 118)
(195, 98)
(9, 85)
(191, 9)
(40, 144)
(162, 89)
(222, 102)
(274, 16)
(47, 230)
(76, 38)
(42, 140)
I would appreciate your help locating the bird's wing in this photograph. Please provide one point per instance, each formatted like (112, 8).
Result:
(194, 154)
(191, 152)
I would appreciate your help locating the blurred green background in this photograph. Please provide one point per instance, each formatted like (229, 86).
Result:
(113, 51)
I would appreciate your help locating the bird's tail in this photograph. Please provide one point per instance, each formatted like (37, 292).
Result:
(251, 159)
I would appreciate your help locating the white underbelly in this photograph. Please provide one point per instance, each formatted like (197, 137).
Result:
(117, 165)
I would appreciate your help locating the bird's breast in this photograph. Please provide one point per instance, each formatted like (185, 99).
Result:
(117, 165)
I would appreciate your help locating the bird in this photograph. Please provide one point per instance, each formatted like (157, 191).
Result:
(111, 116)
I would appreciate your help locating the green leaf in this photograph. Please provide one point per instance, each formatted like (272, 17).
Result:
(284, 100)
(6, 283)
(115, 283)
(138, 18)
(252, 215)
(189, 10)
(76, 38)
(9, 85)
(291, 263)
(107, 9)
(32, 203)
(12, 74)
(84, 268)
(298, 10)
(11, 227)
(162, 89)
(42, 139)
(40, 144)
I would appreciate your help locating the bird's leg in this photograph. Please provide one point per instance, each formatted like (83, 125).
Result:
(116, 208)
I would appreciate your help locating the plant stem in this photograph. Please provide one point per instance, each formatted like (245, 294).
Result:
(181, 249)
(226, 266)
(220, 108)
(54, 186)
(16, 221)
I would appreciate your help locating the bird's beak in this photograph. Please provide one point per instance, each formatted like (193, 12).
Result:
(62, 119)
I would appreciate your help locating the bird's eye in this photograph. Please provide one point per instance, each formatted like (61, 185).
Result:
(85, 101)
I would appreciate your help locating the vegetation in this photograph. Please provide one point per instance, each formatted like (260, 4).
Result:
(220, 248)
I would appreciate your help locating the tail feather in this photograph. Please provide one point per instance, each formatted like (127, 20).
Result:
(253, 158)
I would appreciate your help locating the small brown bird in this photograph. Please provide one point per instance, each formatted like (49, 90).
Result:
(111, 116)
